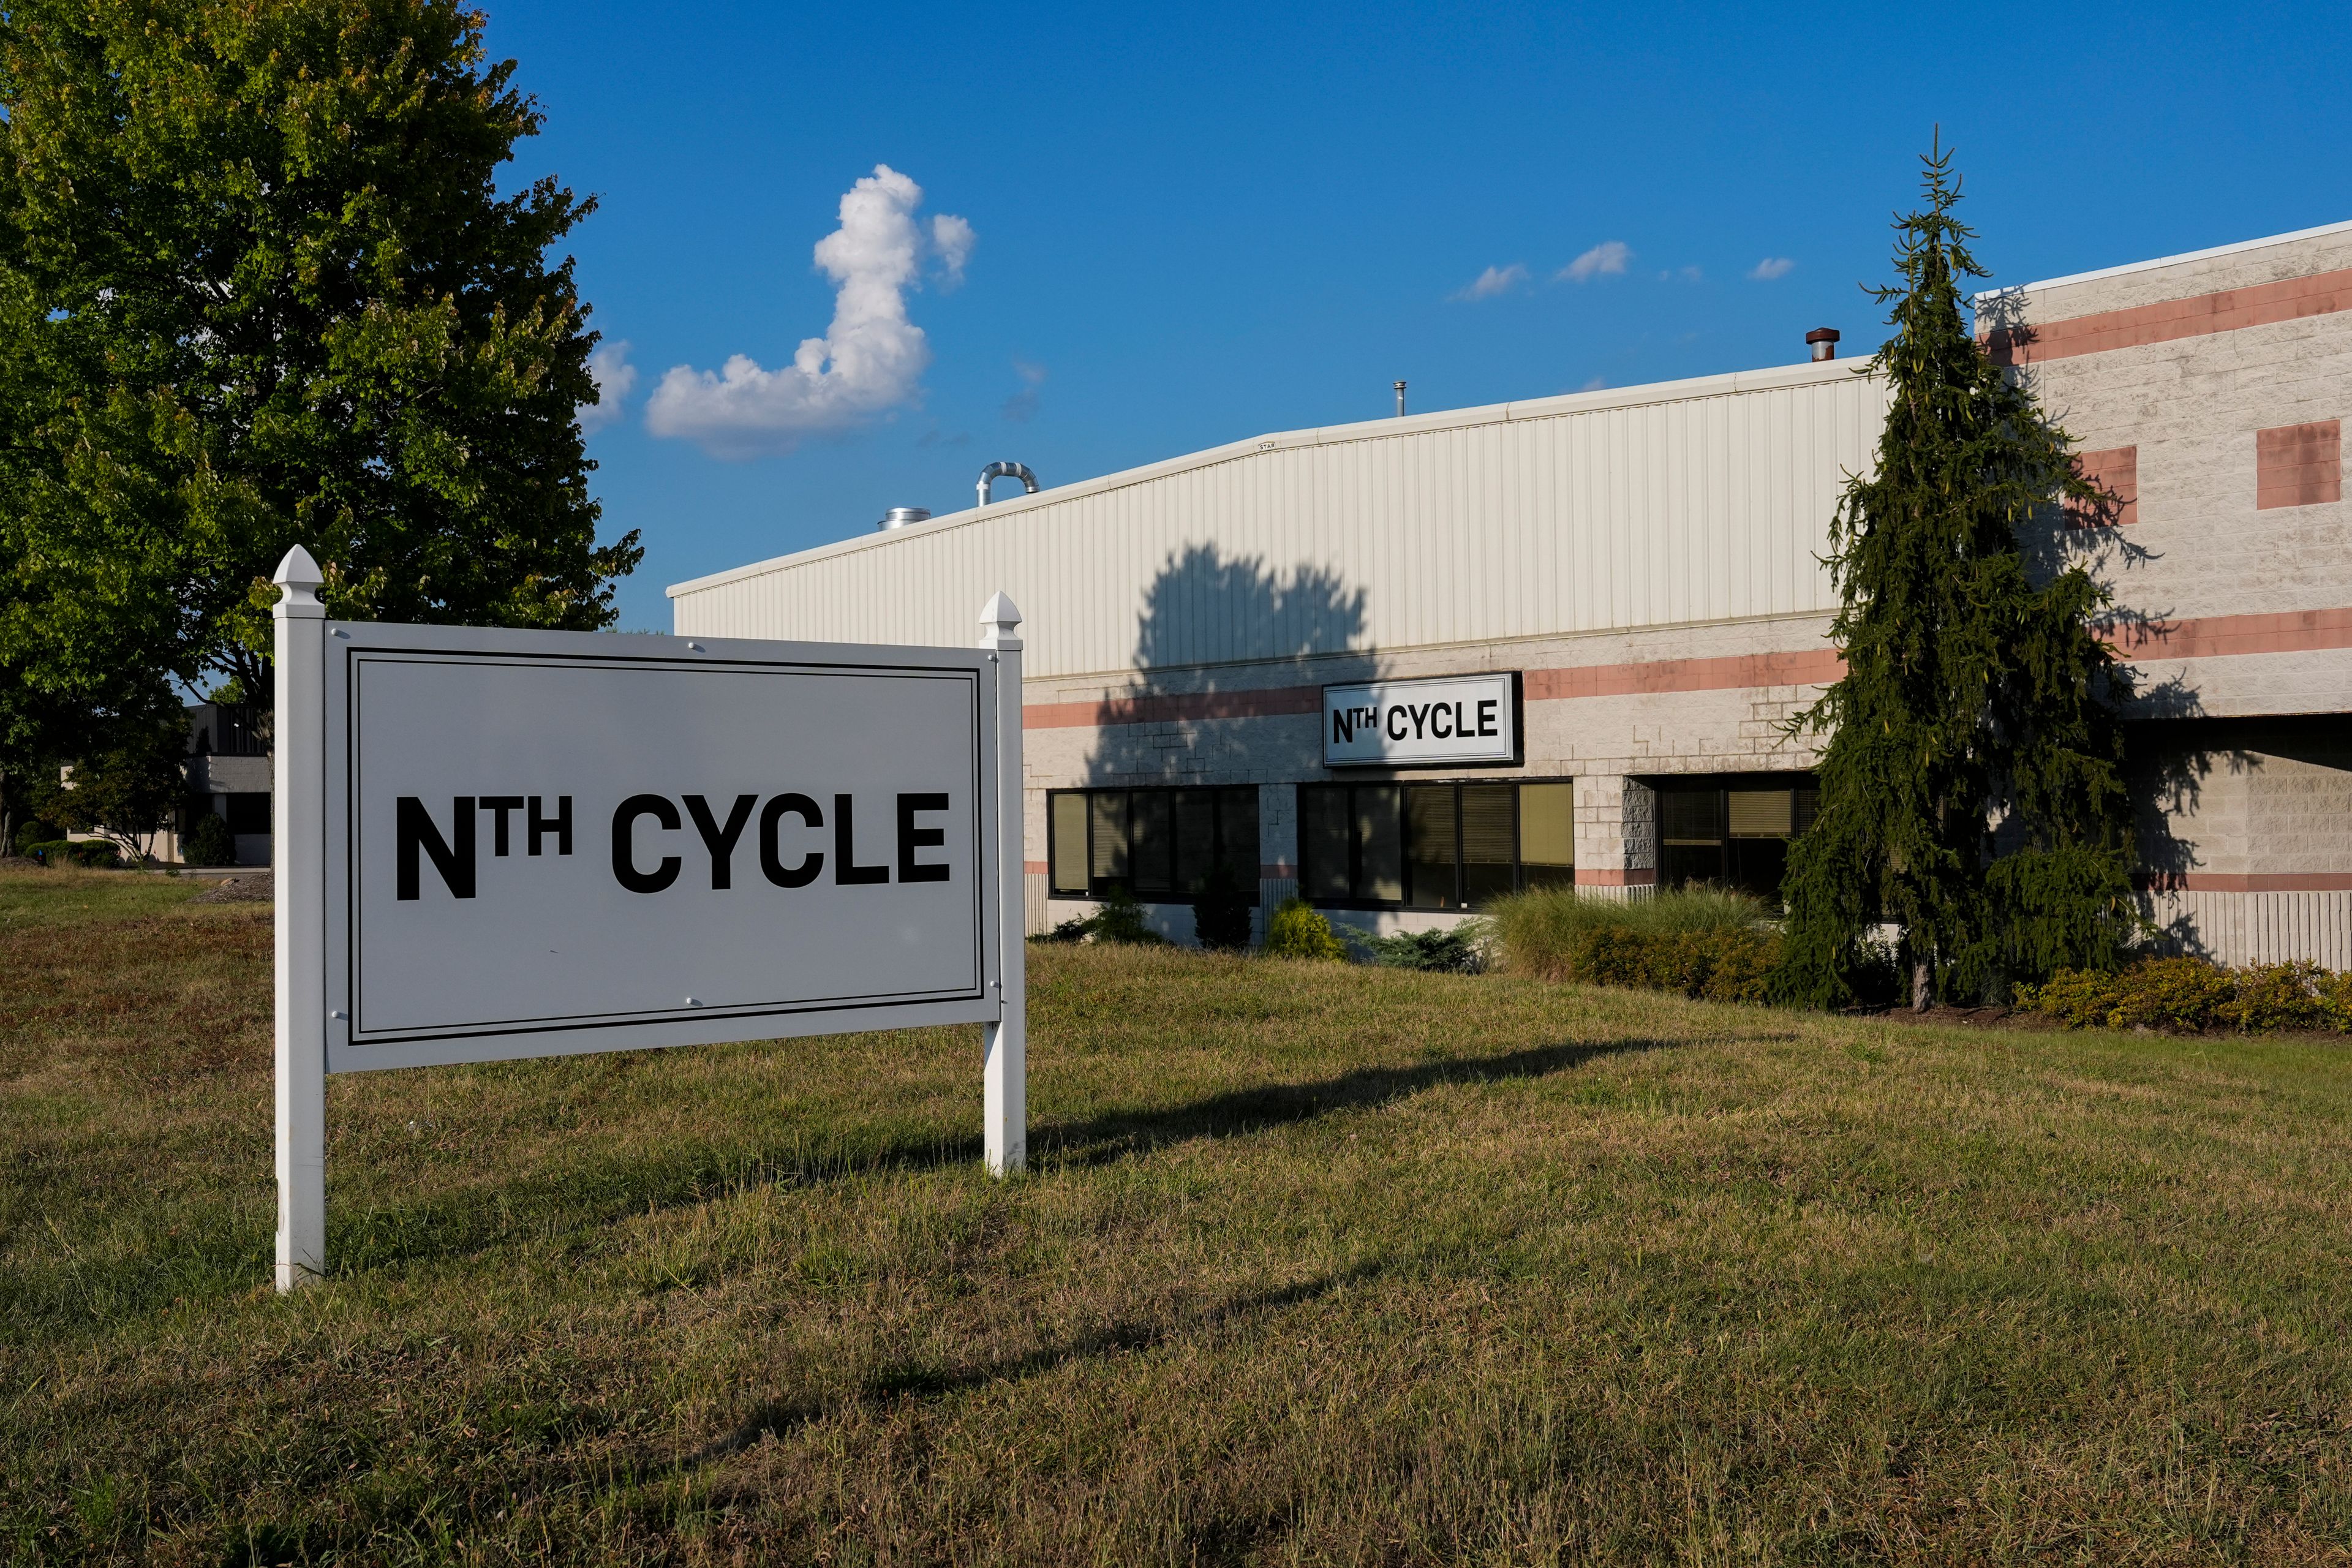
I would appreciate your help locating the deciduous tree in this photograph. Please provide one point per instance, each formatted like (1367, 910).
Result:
(259, 286)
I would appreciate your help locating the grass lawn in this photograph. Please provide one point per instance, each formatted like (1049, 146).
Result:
(1317, 1265)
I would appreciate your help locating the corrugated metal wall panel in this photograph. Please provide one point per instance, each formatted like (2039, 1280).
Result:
(1705, 507)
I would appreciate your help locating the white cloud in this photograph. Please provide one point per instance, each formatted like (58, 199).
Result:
(1771, 267)
(952, 238)
(614, 377)
(870, 360)
(1609, 256)
(1595, 385)
(1021, 406)
(1493, 281)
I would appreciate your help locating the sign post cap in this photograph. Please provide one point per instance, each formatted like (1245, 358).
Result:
(999, 619)
(299, 571)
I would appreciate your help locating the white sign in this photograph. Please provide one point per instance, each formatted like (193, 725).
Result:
(495, 844)
(1413, 723)
(560, 843)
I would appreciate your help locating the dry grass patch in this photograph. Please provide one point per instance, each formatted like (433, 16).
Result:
(1318, 1265)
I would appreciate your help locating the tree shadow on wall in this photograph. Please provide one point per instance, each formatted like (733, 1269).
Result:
(1223, 637)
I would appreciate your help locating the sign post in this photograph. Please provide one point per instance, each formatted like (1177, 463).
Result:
(495, 844)
(297, 846)
(1005, 1069)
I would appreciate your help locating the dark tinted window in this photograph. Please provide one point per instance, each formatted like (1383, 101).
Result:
(1158, 842)
(1433, 847)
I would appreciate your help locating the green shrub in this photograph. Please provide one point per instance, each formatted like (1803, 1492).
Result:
(96, 854)
(1538, 932)
(1221, 911)
(34, 832)
(1077, 928)
(2190, 994)
(1458, 951)
(208, 841)
(1727, 963)
(1296, 930)
(1121, 920)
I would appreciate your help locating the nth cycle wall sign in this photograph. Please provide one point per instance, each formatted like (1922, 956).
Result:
(1438, 721)
(494, 844)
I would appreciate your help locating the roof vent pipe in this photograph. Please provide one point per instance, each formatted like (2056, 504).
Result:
(1399, 392)
(900, 516)
(996, 471)
(1823, 340)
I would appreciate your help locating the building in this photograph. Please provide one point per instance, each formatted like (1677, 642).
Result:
(229, 771)
(1637, 571)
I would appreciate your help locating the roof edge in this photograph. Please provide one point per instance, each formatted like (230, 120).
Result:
(2128, 267)
(1802, 373)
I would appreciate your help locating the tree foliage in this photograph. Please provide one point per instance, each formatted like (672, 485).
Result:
(126, 786)
(258, 286)
(1971, 784)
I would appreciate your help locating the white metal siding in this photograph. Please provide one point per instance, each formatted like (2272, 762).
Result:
(1701, 502)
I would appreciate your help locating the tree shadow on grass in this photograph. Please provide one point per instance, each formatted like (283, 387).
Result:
(1121, 1134)
(921, 1381)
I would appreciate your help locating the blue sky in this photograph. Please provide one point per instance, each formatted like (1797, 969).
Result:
(1189, 226)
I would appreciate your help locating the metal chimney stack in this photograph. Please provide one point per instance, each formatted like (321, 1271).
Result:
(1823, 340)
(900, 516)
(1399, 392)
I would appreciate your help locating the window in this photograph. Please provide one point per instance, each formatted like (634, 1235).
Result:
(248, 812)
(1157, 843)
(1432, 846)
(1731, 832)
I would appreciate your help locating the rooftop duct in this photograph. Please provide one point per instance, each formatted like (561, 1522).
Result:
(1823, 340)
(996, 471)
(900, 516)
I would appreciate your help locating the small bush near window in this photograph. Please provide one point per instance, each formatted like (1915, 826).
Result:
(1121, 920)
(208, 841)
(1296, 930)
(2190, 994)
(1221, 910)
(1459, 950)
(1076, 929)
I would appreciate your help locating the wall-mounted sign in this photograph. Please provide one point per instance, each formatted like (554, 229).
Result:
(495, 844)
(1448, 719)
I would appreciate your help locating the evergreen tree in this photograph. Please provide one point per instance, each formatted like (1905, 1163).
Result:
(258, 286)
(1970, 788)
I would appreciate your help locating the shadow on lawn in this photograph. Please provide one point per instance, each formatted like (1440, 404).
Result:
(780, 1418)
(577, 1199)
(1244, 1110)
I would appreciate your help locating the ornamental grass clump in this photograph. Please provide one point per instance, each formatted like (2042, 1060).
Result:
(1540, 932)
(2192, 995)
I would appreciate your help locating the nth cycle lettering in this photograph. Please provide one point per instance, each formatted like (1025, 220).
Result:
(847, 871)
(624, 863)
(412, 829)
(720, 841)
(772, 864)
(911, 838)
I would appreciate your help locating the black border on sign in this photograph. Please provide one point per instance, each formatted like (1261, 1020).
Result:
(356, 655)
(1518, 759)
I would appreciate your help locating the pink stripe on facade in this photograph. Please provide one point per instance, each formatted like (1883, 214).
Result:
(2248, 882)
(2213, 636)
(2169, 321)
